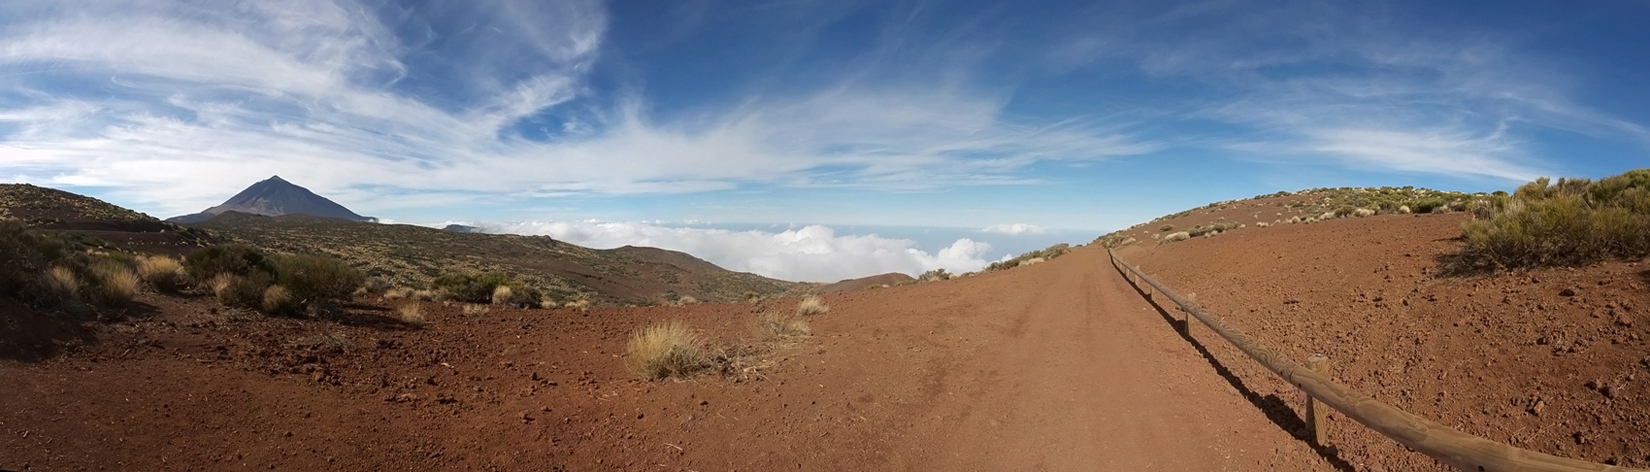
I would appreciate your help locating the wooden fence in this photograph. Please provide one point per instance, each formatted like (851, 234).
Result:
(1461, 450)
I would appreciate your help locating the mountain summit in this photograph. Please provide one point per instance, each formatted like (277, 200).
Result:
(275, 197)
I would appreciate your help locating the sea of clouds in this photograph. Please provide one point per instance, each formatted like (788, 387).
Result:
(813, 253)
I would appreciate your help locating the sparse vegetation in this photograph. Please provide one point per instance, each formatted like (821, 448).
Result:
(1165, 228)
(242, 276)
(1565, 223)
(1047, 253)
(780, 324)
(474, 309)
(495, 288)
(411, 313)
(664, 350)
(277, 300)
(61, 284)
(935, 275)
(812, 305)
(1181, 236)
(162, 273)
(115, 285)
(501, 294)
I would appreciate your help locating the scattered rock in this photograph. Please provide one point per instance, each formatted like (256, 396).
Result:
(1567, 292)
(1624, 320)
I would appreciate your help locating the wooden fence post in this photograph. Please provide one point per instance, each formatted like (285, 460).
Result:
(1316, 414)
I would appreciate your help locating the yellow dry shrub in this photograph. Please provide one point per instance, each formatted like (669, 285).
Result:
(162, 273)
(411, 313)
(116, 284)
(61, 283)
(661, 350)
(812, 305)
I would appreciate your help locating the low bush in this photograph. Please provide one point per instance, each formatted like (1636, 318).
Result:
(812, 305)
(60, 284)
(314, 278)
(234, 259)
(411, 313)
(1181, 236)
(1567, 223)
(115, 285)
(935, 275)
(663, 350)
(482, 288)
(277, 300)
(162, 273)
(779, 325)
(501, 295)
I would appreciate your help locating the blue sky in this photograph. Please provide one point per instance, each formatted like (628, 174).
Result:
(1066, 118)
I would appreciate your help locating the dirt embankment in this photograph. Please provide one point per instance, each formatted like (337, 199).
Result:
(1552, 360)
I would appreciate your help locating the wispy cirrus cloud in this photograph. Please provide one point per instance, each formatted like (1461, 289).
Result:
(342, 96)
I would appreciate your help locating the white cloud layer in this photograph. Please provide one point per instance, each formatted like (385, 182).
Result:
(1015, 229)
(812, 253)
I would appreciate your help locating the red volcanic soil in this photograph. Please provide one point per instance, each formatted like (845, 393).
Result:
(1056, 366)
(1553, 360)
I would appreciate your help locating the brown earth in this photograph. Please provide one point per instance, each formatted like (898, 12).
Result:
(1056, 366)
(1553, 360)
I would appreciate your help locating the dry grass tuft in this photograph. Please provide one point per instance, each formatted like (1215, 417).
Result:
(547, 304)
(221, 285)
(812, 305)
(779, 325)
(425, 295)
(501, 295)
(1181, 236)
(116, 284)
(411, 313)
(663, 350)
(278, 300)
(1032, 261)
(582, 304)
(61, 283)
(397, 293)
(473, 309)
(1404, 210)
(687, 300)
(163, 273)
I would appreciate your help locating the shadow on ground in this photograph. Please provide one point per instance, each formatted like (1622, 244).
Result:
(1275, 408)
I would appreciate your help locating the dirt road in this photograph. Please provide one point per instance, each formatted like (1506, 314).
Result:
(1056, 366)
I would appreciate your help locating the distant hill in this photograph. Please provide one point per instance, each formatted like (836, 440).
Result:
(275, 197)
(414, 255)
(461, 229)
(60, 211)
(880, 281)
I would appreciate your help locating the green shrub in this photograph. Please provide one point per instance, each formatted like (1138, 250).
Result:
(312, 278)
(1166, 228)
(1568, 223)
(480, 288)
(235, 259)
(935, 275)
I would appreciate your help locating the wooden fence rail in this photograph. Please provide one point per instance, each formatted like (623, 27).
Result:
(1461, 450)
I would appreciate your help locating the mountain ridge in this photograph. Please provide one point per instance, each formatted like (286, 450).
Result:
(275, 197)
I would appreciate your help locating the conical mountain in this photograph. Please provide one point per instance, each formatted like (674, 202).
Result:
(275, 197)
